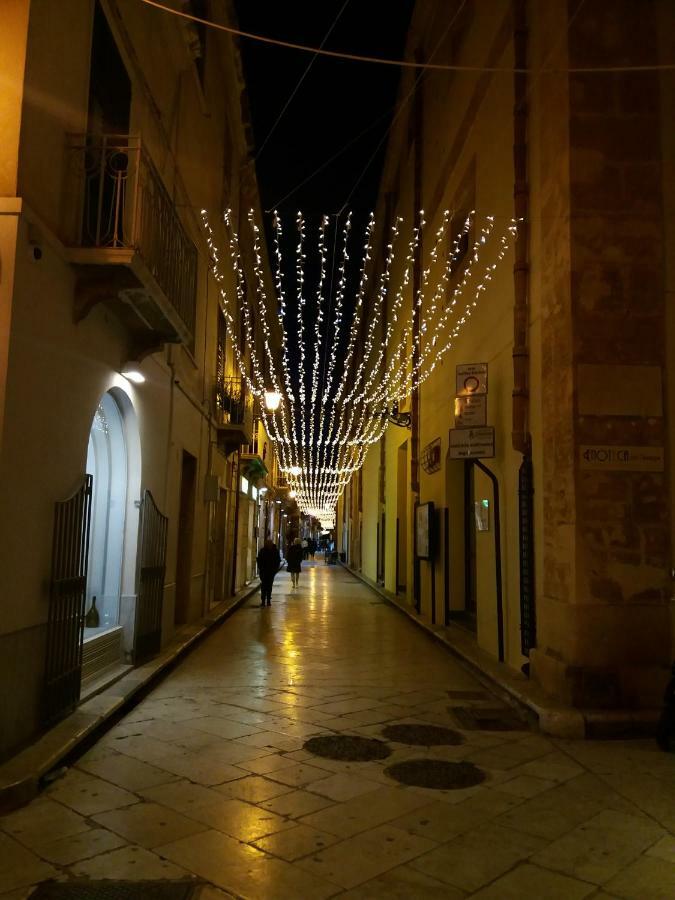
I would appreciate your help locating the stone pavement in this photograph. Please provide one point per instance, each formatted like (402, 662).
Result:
(207, 778)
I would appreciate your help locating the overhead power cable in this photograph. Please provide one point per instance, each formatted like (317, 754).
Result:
(299, 84)
(401, 63)
(402, 105)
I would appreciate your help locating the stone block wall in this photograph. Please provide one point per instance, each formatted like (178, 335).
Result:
(605, 629)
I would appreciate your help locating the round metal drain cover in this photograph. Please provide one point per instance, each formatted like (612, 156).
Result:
(436, 773)
(422, 735)
(348, 747)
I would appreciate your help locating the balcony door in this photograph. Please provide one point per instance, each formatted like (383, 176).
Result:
(109, 82)
(107, 162)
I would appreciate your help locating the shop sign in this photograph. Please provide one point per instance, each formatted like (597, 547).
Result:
(619, 458)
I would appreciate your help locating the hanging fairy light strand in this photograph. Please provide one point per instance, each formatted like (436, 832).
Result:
(329, 415)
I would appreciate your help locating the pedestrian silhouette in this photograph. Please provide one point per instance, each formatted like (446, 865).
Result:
(268, 566)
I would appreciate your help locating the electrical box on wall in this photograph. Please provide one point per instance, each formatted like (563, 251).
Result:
(211, 488)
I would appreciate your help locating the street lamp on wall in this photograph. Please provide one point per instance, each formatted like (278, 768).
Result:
(401, 419)
(272, 400)
(132, 374)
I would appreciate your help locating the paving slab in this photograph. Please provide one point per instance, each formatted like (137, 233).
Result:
(210, 777)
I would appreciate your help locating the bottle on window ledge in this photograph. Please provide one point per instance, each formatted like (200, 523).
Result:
(92, 619)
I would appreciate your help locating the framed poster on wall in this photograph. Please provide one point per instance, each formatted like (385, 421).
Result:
(424, 530)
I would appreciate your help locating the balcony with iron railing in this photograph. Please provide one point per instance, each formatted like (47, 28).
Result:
(127, 241)
(253, 454)
(232, 413)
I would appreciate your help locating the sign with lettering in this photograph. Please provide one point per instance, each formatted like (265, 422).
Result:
(619, 458)
(472, 443)
(471, 379)
(471, 411)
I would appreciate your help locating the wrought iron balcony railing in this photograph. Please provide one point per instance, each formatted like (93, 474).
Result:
(118, 202)
(233, 411)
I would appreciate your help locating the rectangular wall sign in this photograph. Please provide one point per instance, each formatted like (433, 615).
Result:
(472, 443)
(471, 379)
(471, 411)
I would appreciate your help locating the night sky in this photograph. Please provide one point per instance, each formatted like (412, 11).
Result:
(337, 100)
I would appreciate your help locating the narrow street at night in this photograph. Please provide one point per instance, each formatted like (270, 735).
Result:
(337, 449)
(207, 778)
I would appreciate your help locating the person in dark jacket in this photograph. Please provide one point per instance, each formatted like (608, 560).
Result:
(268, 566)
(294, 558)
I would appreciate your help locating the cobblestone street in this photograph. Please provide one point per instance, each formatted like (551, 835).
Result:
(207, 778)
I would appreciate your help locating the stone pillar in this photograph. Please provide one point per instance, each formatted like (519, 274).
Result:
(604, 628)
(13, 43)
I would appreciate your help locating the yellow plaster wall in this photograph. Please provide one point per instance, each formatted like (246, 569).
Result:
(371, 476)
(477, 165)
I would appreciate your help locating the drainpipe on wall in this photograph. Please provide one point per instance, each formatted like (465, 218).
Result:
(169, 430)
(235, 536)
(520, 435)
(206, 419)
(418, 124)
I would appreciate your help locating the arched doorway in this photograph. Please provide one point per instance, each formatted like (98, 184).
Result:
(113, 461)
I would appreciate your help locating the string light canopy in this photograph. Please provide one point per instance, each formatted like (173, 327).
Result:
(356, 335)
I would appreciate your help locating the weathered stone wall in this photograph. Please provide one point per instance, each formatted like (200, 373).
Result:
(611, 641)
(556, 544)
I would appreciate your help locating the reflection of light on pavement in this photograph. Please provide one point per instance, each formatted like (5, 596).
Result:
(290, 653)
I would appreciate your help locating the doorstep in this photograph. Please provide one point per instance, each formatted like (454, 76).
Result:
(554, 719)
(21, 776)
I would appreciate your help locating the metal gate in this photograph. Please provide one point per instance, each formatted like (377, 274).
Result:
(65, 625)
(148, 630)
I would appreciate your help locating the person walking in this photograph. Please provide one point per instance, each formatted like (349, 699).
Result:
(294, 558)
(268, 566)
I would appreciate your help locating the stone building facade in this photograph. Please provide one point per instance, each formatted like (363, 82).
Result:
(577, 330)
(120, 124)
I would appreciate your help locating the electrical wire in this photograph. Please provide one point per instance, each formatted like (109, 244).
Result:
(298, 85)
(402, 63)
(402, 105)
(330, 159)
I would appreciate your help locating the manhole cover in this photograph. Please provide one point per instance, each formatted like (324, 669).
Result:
(422, 735)
(347, 747)
(115, 890)
(436, 773)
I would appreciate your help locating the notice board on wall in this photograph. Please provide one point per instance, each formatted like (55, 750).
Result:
(424, 530)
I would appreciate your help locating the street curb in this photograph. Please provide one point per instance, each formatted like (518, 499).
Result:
(22, 776)
(555, 720)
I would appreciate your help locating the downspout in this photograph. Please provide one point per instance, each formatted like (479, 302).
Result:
(520, 436)
(210, 504)
(169, 428)
(418, 125)
(235, 536)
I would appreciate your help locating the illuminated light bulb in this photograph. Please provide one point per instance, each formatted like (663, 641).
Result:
(325, 425)
(272, 400)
